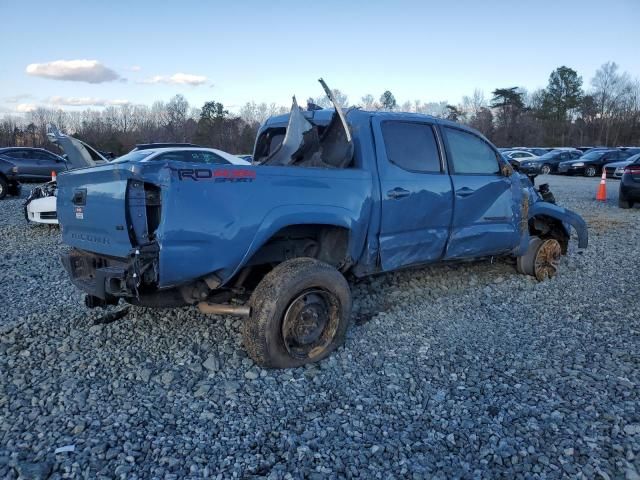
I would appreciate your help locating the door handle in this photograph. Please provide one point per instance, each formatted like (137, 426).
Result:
(464, 192)
(398, 193)
(79, 196)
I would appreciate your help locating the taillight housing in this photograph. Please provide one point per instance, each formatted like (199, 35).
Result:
(632, 169)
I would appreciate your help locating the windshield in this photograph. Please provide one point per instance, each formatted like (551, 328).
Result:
(592, 155)
(549, 155)
(134, 156)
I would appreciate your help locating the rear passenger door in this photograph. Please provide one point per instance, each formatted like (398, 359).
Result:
(485, 212)
(415, 189)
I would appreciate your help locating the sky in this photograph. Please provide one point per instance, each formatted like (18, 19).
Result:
(79, 54)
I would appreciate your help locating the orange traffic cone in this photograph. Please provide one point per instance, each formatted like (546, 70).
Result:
(602, 189)
(53, 175)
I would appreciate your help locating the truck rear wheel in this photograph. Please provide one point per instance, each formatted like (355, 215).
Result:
(541, 259)
(299, 314)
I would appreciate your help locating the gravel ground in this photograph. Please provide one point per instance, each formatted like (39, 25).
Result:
(465, 371)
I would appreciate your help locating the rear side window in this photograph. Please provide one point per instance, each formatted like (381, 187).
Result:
(16, 154)
(411, 146)
(471, 154)
(192, 156)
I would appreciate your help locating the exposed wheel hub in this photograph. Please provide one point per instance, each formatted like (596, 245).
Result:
(547, 258)
(309, 323)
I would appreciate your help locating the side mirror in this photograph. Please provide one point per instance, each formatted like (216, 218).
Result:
(506, 170)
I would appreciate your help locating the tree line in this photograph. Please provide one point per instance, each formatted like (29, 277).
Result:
(564, 113)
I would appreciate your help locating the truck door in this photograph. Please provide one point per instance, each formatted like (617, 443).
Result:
(485, 215)
(415, 189)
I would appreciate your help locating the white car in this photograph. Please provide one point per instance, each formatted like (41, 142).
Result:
(519, 155)
(40, 206)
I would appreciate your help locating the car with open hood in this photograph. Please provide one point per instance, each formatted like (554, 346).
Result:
(40, 205)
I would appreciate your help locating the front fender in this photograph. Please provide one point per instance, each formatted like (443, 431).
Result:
(567, 217)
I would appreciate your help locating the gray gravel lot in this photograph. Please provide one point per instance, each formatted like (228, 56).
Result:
(467, 371)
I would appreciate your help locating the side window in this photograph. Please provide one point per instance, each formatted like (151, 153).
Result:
(411, 146)
(177, 156)
(471, 154)
(197, 156)
(575, 155)
(16, 154)
(200, 156)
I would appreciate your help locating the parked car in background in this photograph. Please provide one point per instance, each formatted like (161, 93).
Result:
(549, 162)
(147, 146)
(537, 151)
(616, 169)
(9, 184)
(629, 192)
(519, 155)
(40, 205)
(591, 163)
(33, 164)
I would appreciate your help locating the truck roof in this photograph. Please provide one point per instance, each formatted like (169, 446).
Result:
(323, 117)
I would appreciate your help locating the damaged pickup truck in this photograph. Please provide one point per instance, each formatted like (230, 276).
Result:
(330, 194)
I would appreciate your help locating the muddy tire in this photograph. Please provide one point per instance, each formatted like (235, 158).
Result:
(4, 188)
(542, 258)
(590, 172)
(546, 169)
(299, 314)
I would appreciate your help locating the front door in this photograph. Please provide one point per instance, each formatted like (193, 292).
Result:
(486, 209)
(415, 190)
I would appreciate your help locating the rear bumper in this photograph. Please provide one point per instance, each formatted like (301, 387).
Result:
(110, 278)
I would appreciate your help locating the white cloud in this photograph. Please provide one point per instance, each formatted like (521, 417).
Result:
(25, 107)
(177, 79)
(90, 71)
(17, 98)
(85, 101)
(135, 68)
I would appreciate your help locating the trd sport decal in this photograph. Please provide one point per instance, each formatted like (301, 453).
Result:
(222, 175)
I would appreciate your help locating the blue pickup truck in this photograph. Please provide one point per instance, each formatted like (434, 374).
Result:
(329, 195)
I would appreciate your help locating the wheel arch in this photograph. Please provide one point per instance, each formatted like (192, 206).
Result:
(547, 220)
(336, 228)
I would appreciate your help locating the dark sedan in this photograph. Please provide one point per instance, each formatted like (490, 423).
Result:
(592, 163)
(629, 192)
(33, 164)
(548, 162)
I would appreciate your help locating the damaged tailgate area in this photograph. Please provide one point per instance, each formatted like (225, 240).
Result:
(106, 279)
(307, 144)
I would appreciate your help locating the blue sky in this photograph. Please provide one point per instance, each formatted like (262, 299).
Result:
(238, 51)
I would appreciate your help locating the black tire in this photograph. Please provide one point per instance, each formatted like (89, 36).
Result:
(14, 189)
(298, 290)
(4, 188)
(590, 171)
(546, 169)
(623, 202)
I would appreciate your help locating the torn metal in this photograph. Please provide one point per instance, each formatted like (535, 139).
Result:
(304, 145)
